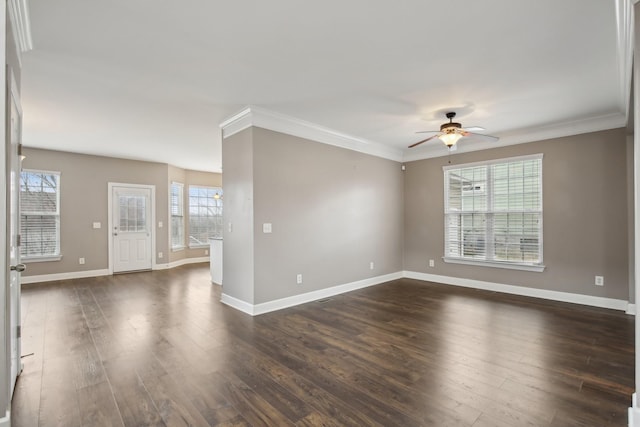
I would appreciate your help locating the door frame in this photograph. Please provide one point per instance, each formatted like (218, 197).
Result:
(110, 186)
(14, 305)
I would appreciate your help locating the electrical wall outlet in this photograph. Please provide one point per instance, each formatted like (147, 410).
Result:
(230, 228)
(160, 224)
(299, 279)
(160, 255)
(81, 261)
(267, 227)
(432, 263)
(371, 265)
(97, 225)
(206, 251)
(599, 281)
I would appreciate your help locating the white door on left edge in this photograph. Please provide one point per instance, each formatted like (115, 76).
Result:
(131, 229)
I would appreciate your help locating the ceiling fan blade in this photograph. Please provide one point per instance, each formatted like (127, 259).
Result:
(488, 137)
(428, 131)
(423, 141)
(474, 129)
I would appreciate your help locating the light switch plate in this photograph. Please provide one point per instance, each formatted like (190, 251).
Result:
(266, 227)
(97, 225)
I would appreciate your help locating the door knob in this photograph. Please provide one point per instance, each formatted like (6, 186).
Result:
(19, 268)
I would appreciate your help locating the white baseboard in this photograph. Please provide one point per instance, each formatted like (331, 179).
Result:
(6, 420)
(291, 301)
(634, 412)
(631, 309)
(103, 272)
(602, 302)
(180, 262)
(64, 276)
(238, 304)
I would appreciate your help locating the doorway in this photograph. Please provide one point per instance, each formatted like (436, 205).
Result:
(131, 227)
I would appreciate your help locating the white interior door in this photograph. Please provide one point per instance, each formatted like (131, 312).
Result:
(13, 158)
(131, 222)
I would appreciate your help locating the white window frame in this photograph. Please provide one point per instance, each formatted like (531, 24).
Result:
(189, 207)
(489, 260)
(180, 214)
(57, 256)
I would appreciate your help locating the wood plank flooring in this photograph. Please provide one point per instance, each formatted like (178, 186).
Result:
(159, 349)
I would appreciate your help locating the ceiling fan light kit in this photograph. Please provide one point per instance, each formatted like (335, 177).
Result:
(451, 132)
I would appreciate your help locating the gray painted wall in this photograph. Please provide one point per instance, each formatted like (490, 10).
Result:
(237, 160)
(585, 215)
(83, 200)
(333, 211)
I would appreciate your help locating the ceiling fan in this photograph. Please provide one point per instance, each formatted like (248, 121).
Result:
(451, 132)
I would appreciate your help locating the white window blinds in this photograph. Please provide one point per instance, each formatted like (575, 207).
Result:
(177, 215)
(493, 211)
(39, 214)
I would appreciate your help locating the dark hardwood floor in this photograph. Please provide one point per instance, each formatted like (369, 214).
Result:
(158, 348)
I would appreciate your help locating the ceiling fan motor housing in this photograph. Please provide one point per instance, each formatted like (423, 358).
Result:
(450, 127)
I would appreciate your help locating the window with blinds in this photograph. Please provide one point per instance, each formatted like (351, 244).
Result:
(205, 215)
(493, 212)
(39, 214)
(177, 215)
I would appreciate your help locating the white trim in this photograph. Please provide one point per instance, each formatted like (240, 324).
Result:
(494, 264)
(523, 136)
(110, 186)
(631, 309)
(614, 304)
(294, 300)
(103, 272)
(20, 27)
(34, 259)
(624, 26)
(634, 412)
(65, 276)
(6, 420)
(238, 304)
(19, 16)
(180, 262)
(263, 118)
(538, 156)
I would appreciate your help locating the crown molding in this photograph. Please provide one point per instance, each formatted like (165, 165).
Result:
(20, 27)
(267, 119)
(625, 40)
(541, 133)
(19, 15)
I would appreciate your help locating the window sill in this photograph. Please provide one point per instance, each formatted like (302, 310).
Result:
(198, 246)
(30, 260)
(495, 264)
(177, 248)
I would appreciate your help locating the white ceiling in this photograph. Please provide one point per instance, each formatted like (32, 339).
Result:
(152, 80)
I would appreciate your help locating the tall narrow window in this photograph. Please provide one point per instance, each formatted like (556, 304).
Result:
(39, 215)
(177, 215)
(205, 214)
(493, 212)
